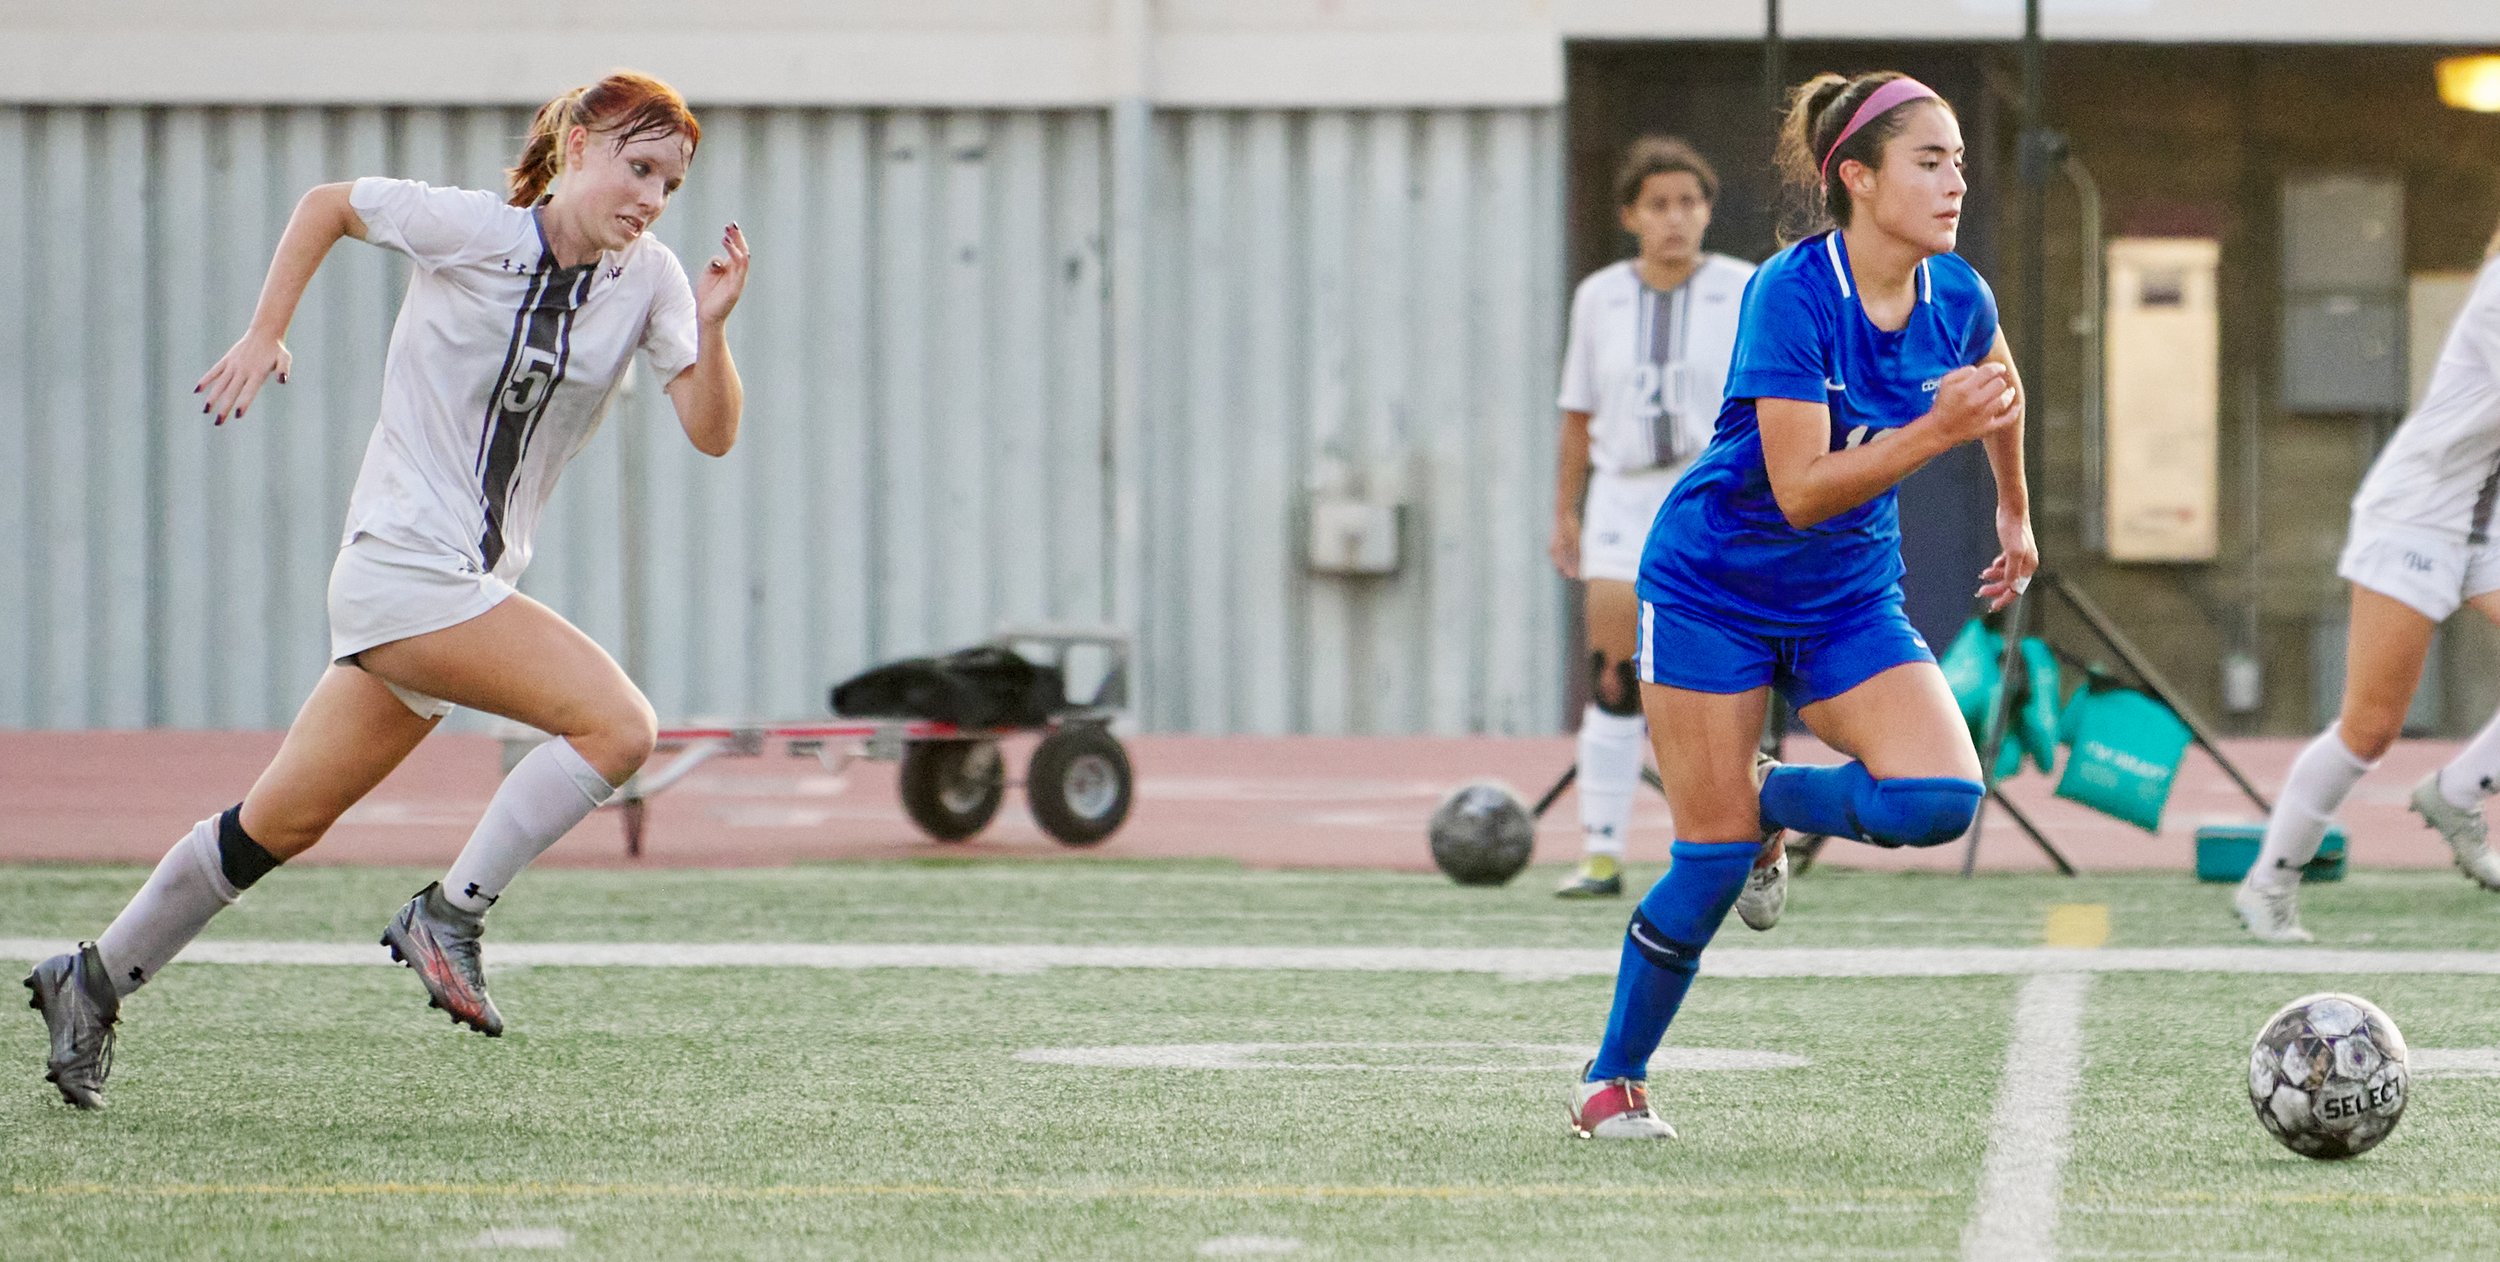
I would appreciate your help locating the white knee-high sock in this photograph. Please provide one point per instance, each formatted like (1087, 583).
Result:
(2474, 773)
(2319, 781)
(1610, 773)
(550, 790)
(187, 889)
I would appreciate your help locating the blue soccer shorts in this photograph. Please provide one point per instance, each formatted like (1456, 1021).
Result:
(1684, 647)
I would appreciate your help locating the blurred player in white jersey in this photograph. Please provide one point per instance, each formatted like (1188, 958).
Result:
(2423, 542)
(522, 314)
(1641, 385)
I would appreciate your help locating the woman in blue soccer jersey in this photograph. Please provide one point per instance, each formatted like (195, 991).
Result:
(1864, 351)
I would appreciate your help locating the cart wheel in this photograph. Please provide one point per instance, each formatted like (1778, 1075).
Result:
(1078, 784)
(952, 788)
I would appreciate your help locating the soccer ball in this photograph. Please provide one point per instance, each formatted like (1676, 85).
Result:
(2328, 1076)
(1481, 834)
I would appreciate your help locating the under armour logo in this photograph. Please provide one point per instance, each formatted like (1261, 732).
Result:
(474, 892)
(136, 975)
(616, 271)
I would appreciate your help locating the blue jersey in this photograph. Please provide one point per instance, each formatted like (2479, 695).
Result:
(1720, 544)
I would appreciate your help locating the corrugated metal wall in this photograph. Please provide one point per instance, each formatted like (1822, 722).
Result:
(926, 450)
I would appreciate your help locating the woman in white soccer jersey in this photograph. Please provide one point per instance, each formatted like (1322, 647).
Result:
(521, 315)
(1641, 382)
(2422, 544)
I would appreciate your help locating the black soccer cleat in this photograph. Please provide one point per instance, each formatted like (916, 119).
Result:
(440, 942)
(79, 1006)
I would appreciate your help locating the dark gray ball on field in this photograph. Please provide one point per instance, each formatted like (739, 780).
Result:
(2329, 1076)
(1481, 834)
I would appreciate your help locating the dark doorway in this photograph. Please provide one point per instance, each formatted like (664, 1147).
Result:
(1713, 96)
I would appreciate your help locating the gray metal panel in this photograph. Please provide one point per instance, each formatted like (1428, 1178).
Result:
(2343, 353)
(925, 455)
(2343, 231)
(1366, 300)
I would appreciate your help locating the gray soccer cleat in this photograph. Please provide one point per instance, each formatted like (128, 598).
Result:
(2464, 829)
(1765, 894)
(439, 941)
(76, 997)
(2271, 915)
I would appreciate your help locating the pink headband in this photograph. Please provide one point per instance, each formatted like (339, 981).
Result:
(1894, 92)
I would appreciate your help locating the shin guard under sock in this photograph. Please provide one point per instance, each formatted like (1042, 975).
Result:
(1662, 949)
(202, 875)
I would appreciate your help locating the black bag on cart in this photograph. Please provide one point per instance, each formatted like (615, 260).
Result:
(982, 686)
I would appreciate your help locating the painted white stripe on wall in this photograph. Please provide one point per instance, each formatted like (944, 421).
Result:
(2028, 1138)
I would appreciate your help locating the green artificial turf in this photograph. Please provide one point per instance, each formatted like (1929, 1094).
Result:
(287, 1110)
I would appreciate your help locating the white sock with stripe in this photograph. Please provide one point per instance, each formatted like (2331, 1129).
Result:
(2320, 778)
(186, 891)
(1610, 774)
(2472, 775)
(550, 790)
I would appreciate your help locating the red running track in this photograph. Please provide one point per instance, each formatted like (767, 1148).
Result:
(123, 797)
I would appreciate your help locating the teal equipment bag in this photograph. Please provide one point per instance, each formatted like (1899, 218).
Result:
(2225, 852)
(2124, 750)
(1973, 664)
(2036, 718)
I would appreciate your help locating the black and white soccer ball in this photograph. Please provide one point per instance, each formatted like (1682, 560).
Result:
(1482, 833)
(2328, 1076)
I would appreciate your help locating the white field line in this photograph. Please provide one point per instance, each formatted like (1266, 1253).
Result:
(1518, 964)
(2019, 1181)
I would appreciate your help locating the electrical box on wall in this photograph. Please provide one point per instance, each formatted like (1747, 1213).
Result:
(2163, 386)
(2343, 294)
(1353, 537)
(1356, 514)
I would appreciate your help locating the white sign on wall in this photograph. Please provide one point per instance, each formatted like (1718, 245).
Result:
(2164, 393)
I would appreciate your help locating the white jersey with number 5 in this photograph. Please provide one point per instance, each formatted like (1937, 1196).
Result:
(2442, 469)
(500, 367)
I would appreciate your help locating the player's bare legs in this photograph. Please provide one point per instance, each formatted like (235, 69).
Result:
(350, 734)
(519, 660)
(1705, 744)
(2386, 645)
(1901, 723)
(523, 661)
(1913, 779)
(2384, 649)
(2450, 799)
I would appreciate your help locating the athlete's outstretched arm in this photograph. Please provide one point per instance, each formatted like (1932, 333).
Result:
(1812, 482)
(708, 395)
(320, 219)
(2018, 553)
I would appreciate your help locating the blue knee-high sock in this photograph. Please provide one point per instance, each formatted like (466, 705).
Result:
(1848, 801)
(1662, 948)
